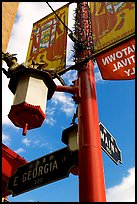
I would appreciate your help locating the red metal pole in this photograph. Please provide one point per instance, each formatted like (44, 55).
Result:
(68, 89)
(91, 173)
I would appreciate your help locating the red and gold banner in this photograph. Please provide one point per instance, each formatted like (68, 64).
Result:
(49, 40)
(112, 22)
(118, 63)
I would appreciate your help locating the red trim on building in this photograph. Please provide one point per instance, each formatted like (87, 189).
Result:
(10, 162)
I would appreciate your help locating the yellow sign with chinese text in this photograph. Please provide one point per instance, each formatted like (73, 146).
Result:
(112, 22)
(49, 40)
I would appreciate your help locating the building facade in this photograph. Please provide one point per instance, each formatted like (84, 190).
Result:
(9, 10)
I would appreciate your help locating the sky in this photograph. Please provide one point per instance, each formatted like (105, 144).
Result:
(116, 110)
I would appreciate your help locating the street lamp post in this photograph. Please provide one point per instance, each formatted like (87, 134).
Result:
(91, 173)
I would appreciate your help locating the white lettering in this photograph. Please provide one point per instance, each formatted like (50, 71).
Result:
(15, 180)
(109, 143)
(133, 71)
(34, 173)
(133, 46)
(124, 50)
(133, 58)
(109, 151)
(106, 141)
(102, 135)
(55, 166)
(112, 57)
(129, 60)
(40, 170)
(119, 64)
(29, 174)
(119, 54)
(50, 166)
(24, 178)
(124, 62)
(130, 71)
(109, 59)
(112, 148)
(114, 67)
(46, 168)
(130, 50)
(105, 61)
(127, 72)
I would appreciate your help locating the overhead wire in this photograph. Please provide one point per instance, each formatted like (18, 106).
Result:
(73, 38)
(71, 34)
(59, 18)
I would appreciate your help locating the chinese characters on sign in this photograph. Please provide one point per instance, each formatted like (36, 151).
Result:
(48, 41)
(112, 22)
(42, 171)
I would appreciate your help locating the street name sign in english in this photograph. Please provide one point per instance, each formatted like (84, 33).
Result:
(42, 171)
(108, 142)
(109, 145)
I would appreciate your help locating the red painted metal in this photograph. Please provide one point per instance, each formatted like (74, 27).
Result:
(26, 116)
(67, 89)
(25, 128)
(10, 162)
(91, 172)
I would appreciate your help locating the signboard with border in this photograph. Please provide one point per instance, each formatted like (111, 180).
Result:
(48, 41)
(109, 145)
(42, 171)
(112, 23)
(118, 63)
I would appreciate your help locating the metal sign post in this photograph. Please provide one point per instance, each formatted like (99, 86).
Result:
(109, 145)
(91, 173)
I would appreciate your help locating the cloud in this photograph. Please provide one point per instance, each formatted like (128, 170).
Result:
(47, 145)
(125, 191)
(50, 115)
(6, 139)
(50, 121)
(70, 76)
(7, 98)
(98, 77)
(65, 102)
(20, 150)
(60, 101)
(27, 141)
(34, 143)
(32, 200)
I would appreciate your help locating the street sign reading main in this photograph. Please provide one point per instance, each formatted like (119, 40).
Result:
(109, 145)
(44, 170)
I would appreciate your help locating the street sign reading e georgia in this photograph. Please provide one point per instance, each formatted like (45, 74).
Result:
(44, 170)
(109, 145)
